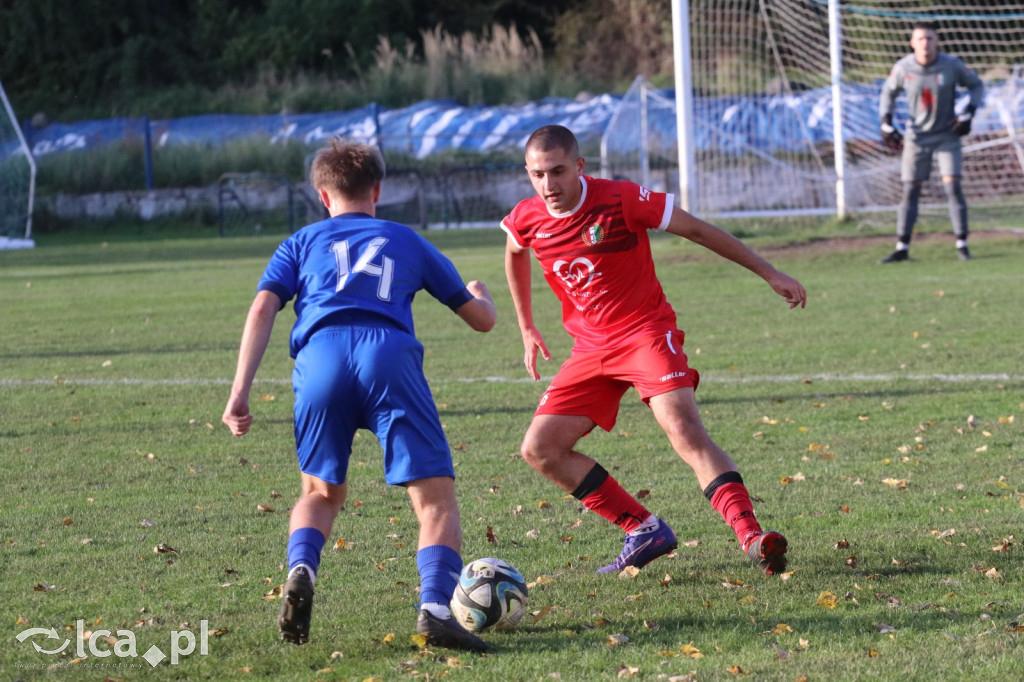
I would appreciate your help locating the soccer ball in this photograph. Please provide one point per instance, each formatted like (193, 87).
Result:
(491, 595)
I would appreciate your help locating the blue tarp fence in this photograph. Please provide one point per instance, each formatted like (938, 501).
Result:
(767, 123)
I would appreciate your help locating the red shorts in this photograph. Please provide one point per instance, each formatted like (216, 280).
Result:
(591, 383)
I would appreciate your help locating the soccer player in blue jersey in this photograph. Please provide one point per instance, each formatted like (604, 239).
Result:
(358, 364)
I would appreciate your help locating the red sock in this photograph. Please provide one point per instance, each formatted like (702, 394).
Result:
(616, 505)
(732, 501)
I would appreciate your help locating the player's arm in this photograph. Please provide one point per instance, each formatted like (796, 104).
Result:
(976, 89)
(478, 312)
(517, 272)
(891, 135)
(726, 245)
(255, 337)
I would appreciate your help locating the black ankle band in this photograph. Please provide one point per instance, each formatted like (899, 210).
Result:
(727, 477)
(594, 479)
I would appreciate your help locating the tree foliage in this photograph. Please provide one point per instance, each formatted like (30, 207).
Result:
(98, 58)
(79, 53)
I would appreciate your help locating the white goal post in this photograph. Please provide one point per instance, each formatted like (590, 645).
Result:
(17, 181)
(780, 105)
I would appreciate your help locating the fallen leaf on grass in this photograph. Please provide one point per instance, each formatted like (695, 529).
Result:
(1004, 546)
(541, 580)
(690, 651)
(828, 600)
(536, 616)
(164, 548)
(883, 628)
(627, 671)
(617, 640)
(898, 483)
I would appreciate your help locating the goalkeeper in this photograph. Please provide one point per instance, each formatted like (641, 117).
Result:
(930, 79)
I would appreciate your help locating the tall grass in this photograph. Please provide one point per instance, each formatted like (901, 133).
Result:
(500, 65)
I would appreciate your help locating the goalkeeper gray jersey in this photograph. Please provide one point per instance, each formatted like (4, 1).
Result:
(931, 95)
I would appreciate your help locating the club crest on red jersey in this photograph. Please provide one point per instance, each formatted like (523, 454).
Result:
(593, 234)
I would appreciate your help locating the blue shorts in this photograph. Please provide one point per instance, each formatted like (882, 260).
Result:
(366, 377)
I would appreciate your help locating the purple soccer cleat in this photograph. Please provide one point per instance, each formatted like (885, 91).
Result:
(643, 548)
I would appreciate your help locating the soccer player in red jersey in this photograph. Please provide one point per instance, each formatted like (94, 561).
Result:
(590, 237)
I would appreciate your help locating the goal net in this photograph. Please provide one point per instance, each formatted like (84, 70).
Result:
(17, 181)
(763, 105)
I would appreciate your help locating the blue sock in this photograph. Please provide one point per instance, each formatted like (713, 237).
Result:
(439, 567)
(304, 545)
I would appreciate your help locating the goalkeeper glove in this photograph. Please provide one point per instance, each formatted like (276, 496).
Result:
(891, 136)
(962, 124)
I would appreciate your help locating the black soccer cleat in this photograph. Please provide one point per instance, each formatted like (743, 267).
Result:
(963, 254)
(296, 607)
(897, 256)
(447, 633)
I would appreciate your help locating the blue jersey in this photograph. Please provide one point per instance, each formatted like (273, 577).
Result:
(355, 267)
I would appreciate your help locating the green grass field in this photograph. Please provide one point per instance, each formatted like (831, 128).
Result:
(879, 429)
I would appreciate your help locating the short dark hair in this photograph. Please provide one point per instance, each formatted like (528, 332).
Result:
(551, 137)
(925, 25)
(347, 168)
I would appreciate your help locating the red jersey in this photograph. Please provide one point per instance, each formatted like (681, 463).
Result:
(597, 260)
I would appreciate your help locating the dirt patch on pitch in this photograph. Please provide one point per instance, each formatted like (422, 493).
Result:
(882, 242)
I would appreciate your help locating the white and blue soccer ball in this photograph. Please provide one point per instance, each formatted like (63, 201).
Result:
(491, 595)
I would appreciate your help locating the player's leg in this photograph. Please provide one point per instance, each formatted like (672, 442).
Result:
(915, 168)
(660, 371)
(439, 562)
(323, 440)
(578, 399)
(310, 526)
(416, 455)
(717, 475)
(950, 158)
